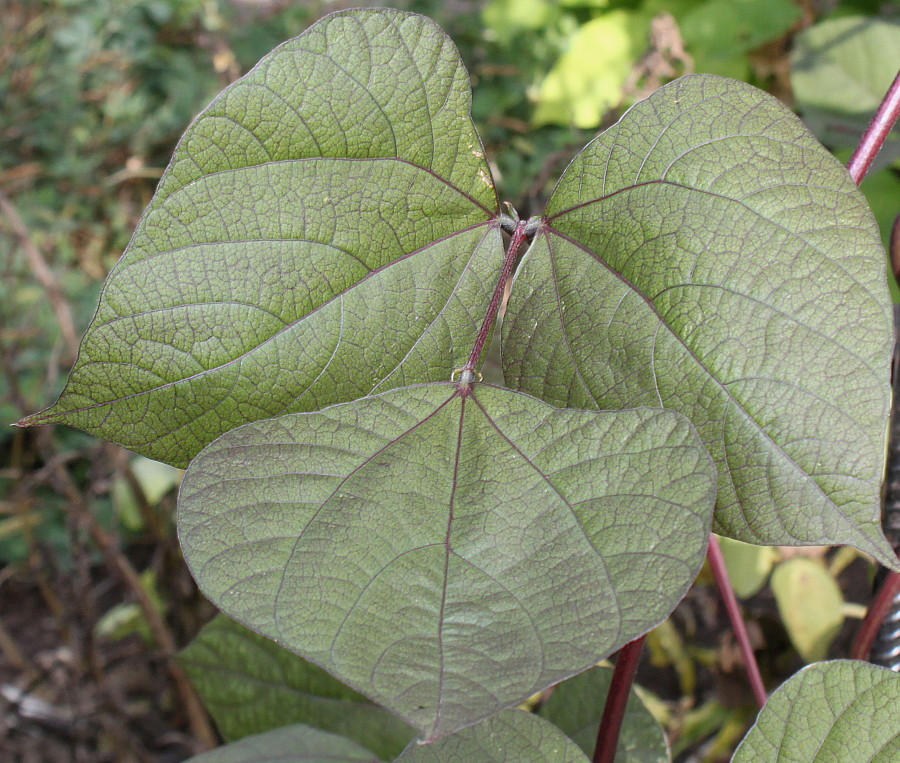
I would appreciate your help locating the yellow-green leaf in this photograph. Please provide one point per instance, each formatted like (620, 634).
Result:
(810, 604)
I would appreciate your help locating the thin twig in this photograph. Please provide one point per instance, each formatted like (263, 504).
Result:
(200, 725)
(44, 276)
(875, 133)
(14, 656)
(617, 700)
(720, 573)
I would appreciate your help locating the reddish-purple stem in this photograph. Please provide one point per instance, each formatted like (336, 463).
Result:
(518, 238)
(614, 710)
(876, 133)
(720, 573)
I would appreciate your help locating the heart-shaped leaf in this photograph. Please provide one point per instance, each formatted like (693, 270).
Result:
(831, 711)
(707, 255)
(299, 743)
(510, 736)
(449, 551)
(575, 707)
(326, 229)
(249, 684)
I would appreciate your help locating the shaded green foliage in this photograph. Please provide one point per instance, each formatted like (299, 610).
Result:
(250, 684)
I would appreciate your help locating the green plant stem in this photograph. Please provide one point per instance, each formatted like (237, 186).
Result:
(518, 238)
(616, 700)
(720, 573)
(875, 133)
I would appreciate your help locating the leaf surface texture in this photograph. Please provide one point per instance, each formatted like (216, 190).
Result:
(707, 255)
(449, 554)
(834, 712)
(326, 229)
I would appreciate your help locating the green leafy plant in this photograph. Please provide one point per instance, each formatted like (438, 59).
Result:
(697, 337)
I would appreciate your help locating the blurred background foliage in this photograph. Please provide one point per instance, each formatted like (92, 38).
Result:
(95, 94)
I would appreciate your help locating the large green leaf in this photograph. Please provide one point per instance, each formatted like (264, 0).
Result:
(511, 736)
(449, 551)
(830, 712)
(575, 707)
(298, 742)
(326, 229)
(249, 684)
(706, 254)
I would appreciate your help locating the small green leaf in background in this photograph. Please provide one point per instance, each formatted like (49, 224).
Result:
(575, 707)
(514, 735)
(707, 254)
(507, 18)
(249, 684)
(266, 275)
(810, 603)
(126, 618)
(831, 712)
(298, 742)
(155, 480)
(845, 65)
(719, 33)
(449, 554)
(748, 565)
(587, 80)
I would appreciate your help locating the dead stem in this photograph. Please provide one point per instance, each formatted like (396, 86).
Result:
(199, 722)
(44, 276)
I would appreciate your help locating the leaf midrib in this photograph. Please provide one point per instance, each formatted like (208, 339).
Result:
(349, 159)
(47, 416)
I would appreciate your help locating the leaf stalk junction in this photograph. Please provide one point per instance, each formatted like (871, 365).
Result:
(520, 232)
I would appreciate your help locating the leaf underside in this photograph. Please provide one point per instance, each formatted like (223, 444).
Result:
(326, 229)
(707, 255)
(249, 684)
(298, 742)
(449, 554)
(513, 735)
(830, 711)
